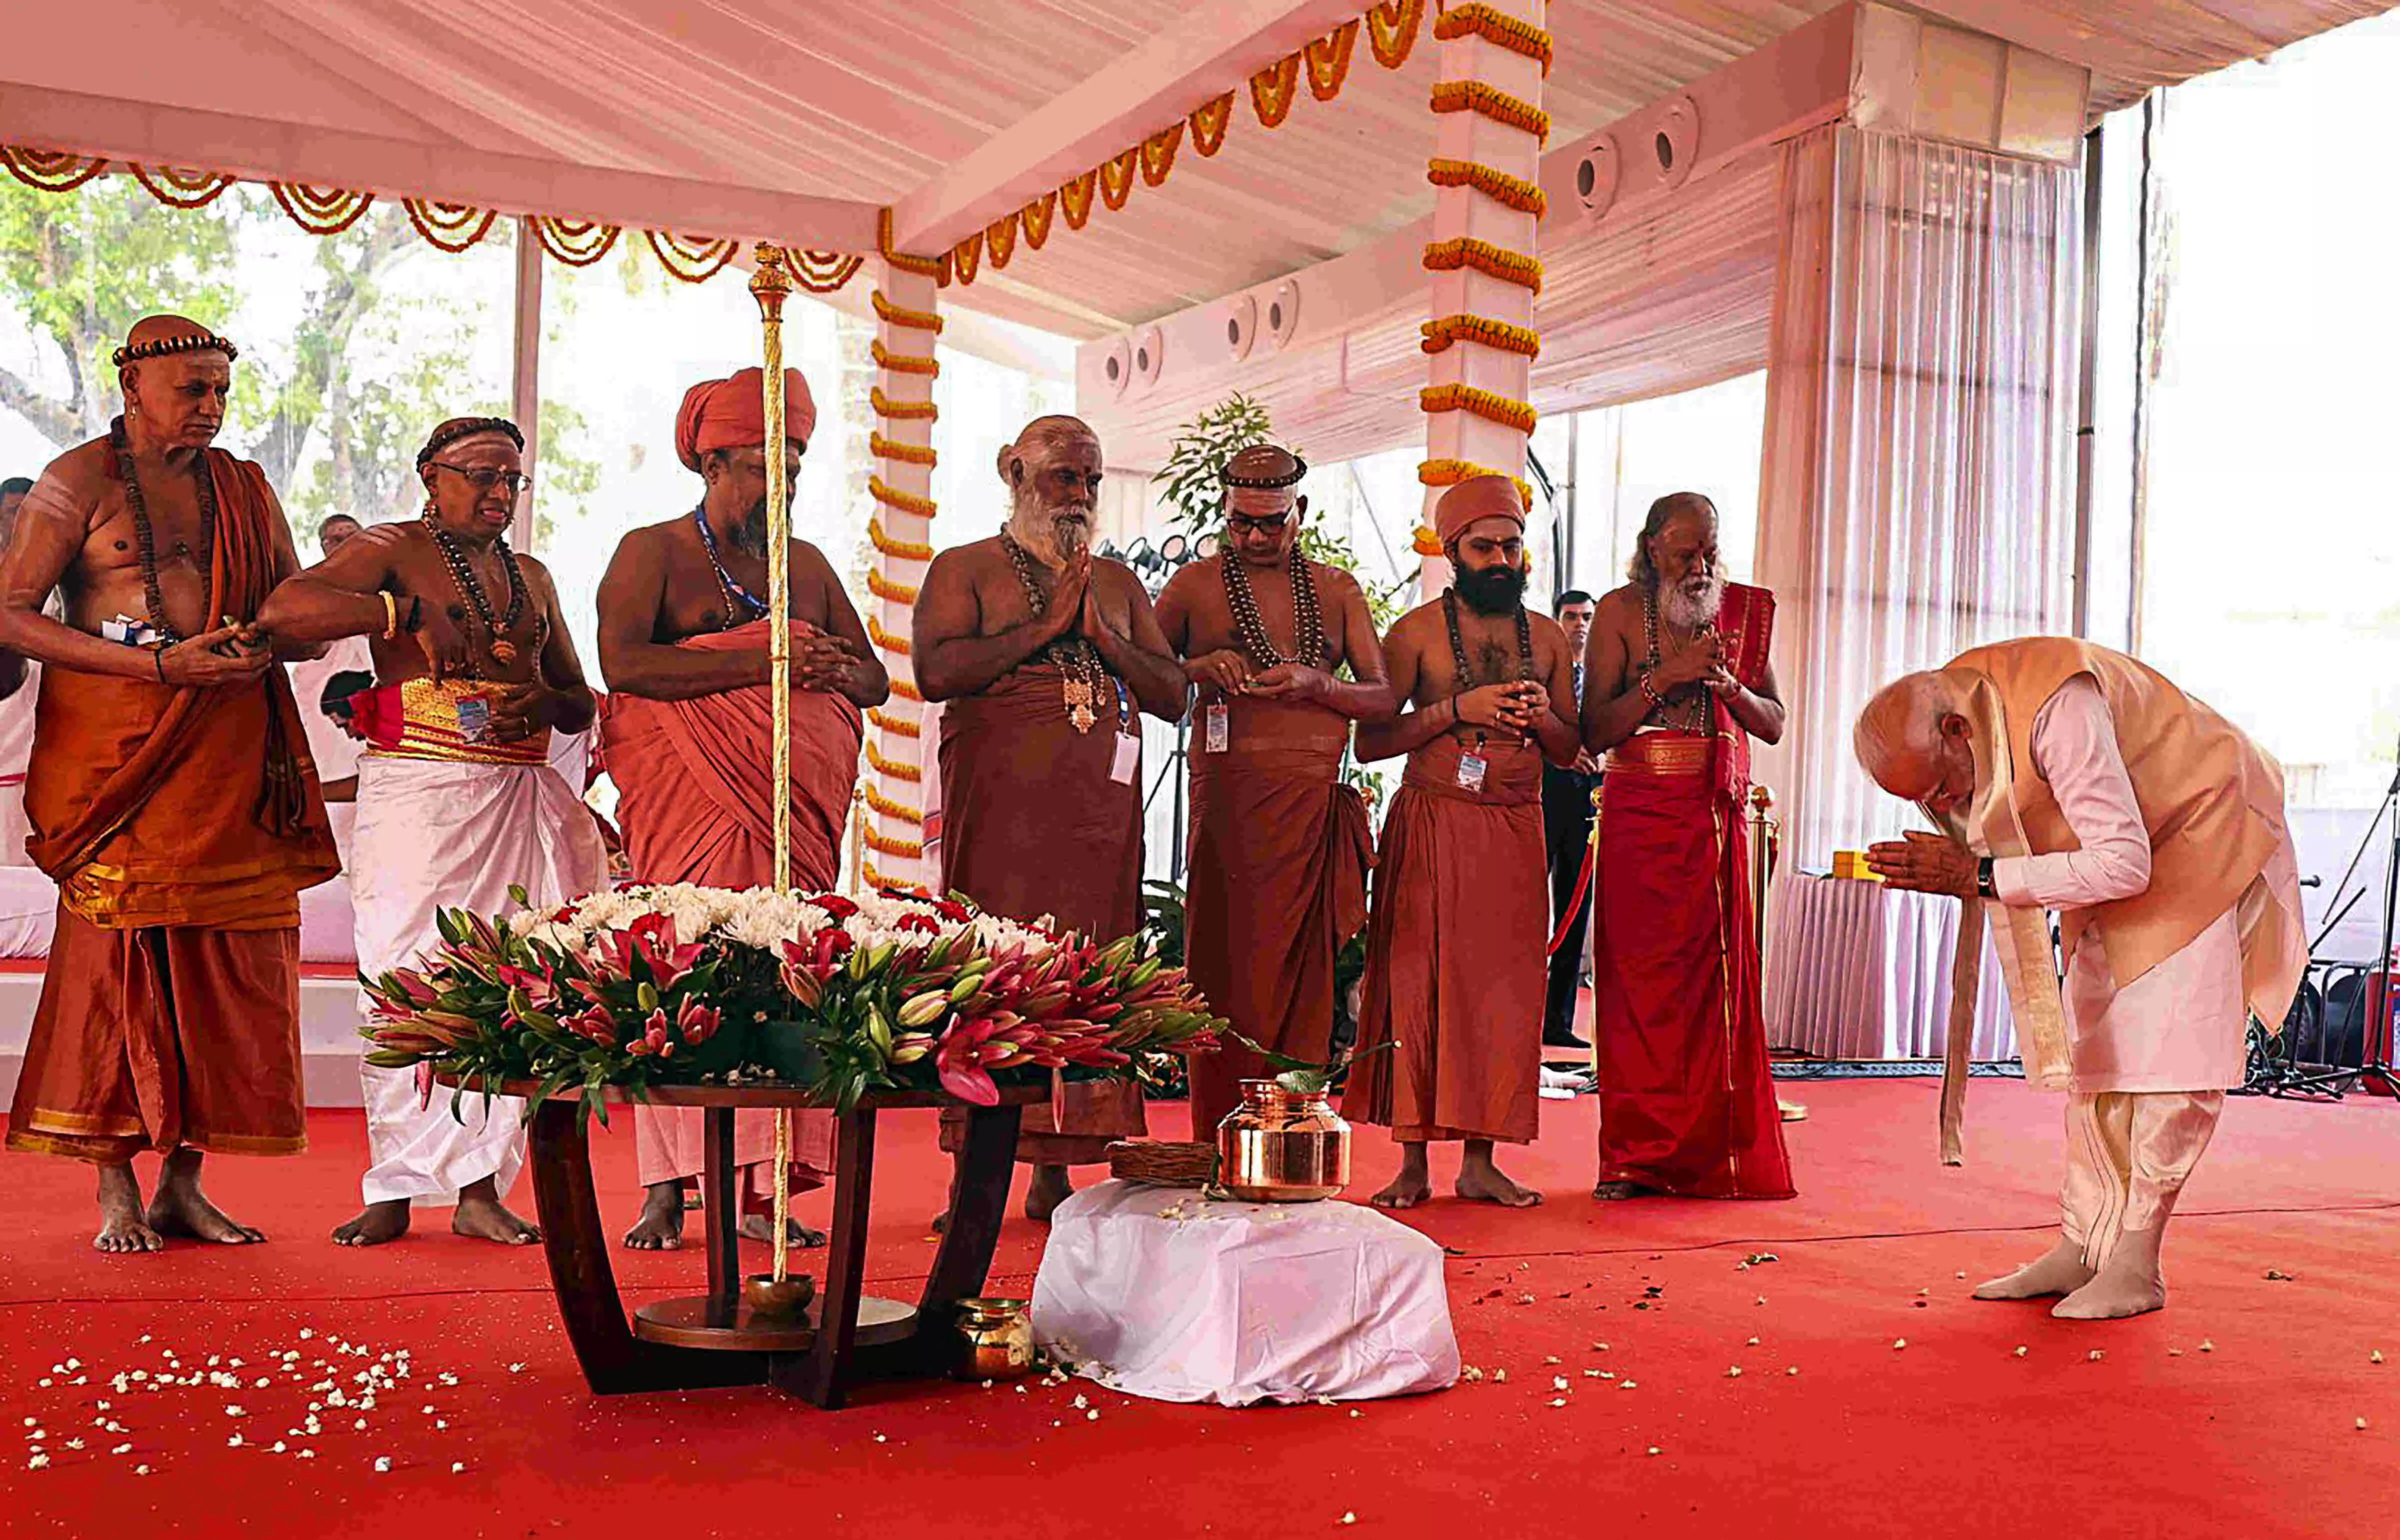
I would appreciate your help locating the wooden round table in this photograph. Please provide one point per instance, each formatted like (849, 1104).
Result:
(714, 1338)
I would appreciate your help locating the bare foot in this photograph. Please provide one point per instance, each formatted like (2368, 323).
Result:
(178, 1208)
(2058, 1270)
(761, 1227)
(1050, 1188)
(121, 1225)
(481, 1217)
(1480, 1181)
(1404, 1191)
(660, 1225)
(376, 1223)
(1791, 1111)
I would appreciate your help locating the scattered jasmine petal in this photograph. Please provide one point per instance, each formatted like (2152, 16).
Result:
(1793, 1369)
(1551, 1360)
(1558, 1401)
(2361, 1424)
(1093, 1415)
(42, 1462)
(1733, 1373)
(142, 1470)
(1753, 1342)
(1899, 1342)
(1654, 1448)
(234, 1442)
(382, 1463)
(278, 1449)
(122, 1449)
(2021, 1352)
(2208, 1346)
(2093, 1357)
(46, 1383)
(2376, 1356)
(2175, 1353)
(456, 1467)
(1557, 1381)
(75, 1443)
(439, 1425)
(1355, 1412)
(360, 1424)
(1499, 1376)
(307, 1453)
(1349, 1518)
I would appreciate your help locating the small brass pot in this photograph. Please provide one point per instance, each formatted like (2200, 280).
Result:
(997, 1338)
(778, 1300)
(1282, 1146)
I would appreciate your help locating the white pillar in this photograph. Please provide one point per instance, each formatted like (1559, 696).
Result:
(900, 757)
(1481, 270)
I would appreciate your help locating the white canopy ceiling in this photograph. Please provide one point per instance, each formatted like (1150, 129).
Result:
(797, 119)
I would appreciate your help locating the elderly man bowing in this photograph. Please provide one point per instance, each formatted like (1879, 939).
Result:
(1043, 656)
(1280, 847)
(2067, 777)
(1455, 970)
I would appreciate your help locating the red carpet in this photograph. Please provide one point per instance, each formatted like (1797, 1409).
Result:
(1952, 1437)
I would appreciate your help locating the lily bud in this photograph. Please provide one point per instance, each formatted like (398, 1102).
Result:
(926, 1008)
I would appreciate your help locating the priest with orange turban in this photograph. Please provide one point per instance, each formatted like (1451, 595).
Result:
(1456, 975)
(688, 733)
(171, 797)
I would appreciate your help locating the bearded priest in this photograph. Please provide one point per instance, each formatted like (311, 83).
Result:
(1676, 683)
(1455, 970)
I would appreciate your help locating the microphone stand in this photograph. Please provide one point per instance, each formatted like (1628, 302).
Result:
(2374, 1073)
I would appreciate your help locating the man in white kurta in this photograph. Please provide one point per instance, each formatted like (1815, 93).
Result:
(2178, 924)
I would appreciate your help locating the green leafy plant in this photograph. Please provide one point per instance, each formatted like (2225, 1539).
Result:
(1306, 1077)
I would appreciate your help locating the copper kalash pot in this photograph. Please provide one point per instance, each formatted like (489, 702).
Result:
(996, 1340)
(1283, 1146)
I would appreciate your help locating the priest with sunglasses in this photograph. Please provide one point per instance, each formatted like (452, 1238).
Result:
(1280, 845)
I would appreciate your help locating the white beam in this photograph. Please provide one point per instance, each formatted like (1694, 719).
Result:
(1213, 46)
(269, 150)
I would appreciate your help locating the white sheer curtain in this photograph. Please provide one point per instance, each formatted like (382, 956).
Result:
(1917, 489)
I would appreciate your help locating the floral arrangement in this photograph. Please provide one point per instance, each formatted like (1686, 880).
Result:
(684, 985)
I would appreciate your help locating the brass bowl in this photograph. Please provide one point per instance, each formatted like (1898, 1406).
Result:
(778, 1300)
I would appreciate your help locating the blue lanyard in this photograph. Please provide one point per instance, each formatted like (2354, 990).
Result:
(708, 540)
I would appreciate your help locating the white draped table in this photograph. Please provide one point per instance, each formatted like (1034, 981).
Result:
(1859, 971)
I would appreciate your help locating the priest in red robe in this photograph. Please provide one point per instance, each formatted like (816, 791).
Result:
(1676, 684)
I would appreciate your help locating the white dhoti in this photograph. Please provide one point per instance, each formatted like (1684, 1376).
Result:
(441, 835)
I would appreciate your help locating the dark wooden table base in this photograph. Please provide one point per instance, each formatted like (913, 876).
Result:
(715, 1339)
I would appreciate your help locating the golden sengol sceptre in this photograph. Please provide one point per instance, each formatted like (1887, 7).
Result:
(769, 284)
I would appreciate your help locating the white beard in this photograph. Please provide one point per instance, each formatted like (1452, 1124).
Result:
(1049, 541)
(1689, 611)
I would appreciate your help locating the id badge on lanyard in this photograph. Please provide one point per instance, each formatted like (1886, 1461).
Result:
(1128, 760)
(1471, 767)
(1218, 727)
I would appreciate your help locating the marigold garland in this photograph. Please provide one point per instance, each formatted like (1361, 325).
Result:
(884, 639)
(178, 189)
(320, 211)
(575, 243)
(1425, 542)
(888, 846)
(692, 259)
(1509, 267)
(1075, 197)
(905, 551)
(1504, 31)
(900, 411)
(50, 171)
(906, 689)
(1391, 30)
(1473, 96)
(893, 315)
(822, 272)
(893, 767)
(936, 268)
(1488, 404)
(899, 727)
(905, 502)
(451, 228)
(1509, 192)
(1450, 472)
(908, 454)
(999, 242)
(890, 809)
(1209, 120)
(884, 588)
(1327, 60)
(1116, 178)
(1035, 219)
(903, 363)
(964, 258)
(1273, 89)
(1439, 335)
(1158, 153)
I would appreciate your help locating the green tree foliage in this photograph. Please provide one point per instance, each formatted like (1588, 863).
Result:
(333, 410)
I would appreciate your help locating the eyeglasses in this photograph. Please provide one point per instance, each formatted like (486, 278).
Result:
(483, 478)
(1264, 523)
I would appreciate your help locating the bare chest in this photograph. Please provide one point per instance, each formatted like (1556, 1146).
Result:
(506, 621)
(699, 595)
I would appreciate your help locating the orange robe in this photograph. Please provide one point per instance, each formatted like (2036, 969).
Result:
(181, 824)
(695, 787)
(1456, 966)
(1034, 826)
(1277, 887)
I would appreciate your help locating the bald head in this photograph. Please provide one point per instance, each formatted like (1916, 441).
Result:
(1915, 740)
(177, 377)
(1053, 472)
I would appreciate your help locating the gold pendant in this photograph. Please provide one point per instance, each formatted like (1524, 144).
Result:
(1077, 693)
(504, 652)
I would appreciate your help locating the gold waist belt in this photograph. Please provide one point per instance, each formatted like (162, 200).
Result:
(1660, 753)
(439, 722)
